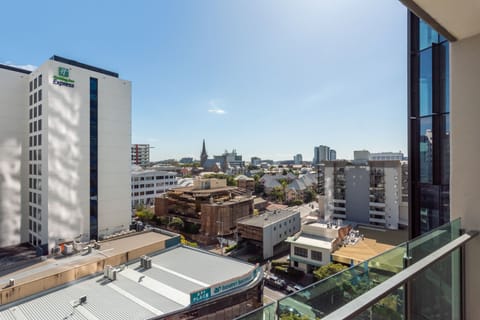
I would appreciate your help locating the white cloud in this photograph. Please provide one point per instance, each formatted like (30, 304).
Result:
(217, 111)
(214, 105)
(29, 67)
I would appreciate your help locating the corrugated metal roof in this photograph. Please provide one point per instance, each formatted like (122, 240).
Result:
(137, 293)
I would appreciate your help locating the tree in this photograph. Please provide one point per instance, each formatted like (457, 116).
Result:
(309, 195)
(176, 223)
(277, 194)
(144, 214)
(328, 270)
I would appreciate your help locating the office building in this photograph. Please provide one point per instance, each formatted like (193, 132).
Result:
(147, 184)
(255, 161)
(65, 142)
(333, 155)
(366, 192)
(361, 155)
(321, 153)
(381, 156)
(269, 230)
(140, 154)
(297, 159)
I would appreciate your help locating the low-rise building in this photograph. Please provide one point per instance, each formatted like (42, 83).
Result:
(313, 247)
(142, 276)
(210, 205)
(246, 183)
(269, 231)
(148, 184)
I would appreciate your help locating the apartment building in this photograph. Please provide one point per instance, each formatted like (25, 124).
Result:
(65, 136)
(140, 154)
(367, 192)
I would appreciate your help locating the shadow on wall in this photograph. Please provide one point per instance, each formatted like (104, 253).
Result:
(66, 152)
(10, 191)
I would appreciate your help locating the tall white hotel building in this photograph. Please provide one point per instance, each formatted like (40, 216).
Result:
(65, 132)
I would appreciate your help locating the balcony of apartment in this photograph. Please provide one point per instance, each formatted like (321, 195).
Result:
(385, 287)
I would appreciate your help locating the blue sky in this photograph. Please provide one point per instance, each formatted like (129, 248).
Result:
(270, 78)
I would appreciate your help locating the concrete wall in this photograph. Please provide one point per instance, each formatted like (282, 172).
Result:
(13, 121)
(465, 154)
(357, 194)
(393, 190)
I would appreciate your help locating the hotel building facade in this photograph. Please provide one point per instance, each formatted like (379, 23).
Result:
(64, 153)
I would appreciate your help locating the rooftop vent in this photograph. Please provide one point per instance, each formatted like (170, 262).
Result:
(146, 262)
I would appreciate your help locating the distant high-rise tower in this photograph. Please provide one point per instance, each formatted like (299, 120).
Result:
(321, 153)
(203, 155)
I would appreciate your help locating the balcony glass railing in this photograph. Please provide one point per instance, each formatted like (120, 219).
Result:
(434, 290)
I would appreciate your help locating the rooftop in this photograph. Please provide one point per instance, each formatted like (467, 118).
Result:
(267, 218)
(108, 249)
(313, 241)
(139, 293)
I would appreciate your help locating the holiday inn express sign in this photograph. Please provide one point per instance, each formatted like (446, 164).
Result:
(63, 78)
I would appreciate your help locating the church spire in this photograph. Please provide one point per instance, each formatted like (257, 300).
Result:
(203, 155)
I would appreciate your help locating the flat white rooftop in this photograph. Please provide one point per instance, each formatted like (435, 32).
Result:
(313, 241)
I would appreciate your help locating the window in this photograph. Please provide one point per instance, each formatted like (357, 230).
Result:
(34, 140)
(35, 97)
(30, 127)
(31, 100)
(30, 155)
(39, 139)
(34, 126)
(35, 83)
(39, 80)
(30, 141)
(301, 252)
(316, 255)
(30, 114)
(31, 86)
(39, 124)
(39, 95)
(35, 112)
(39, 154)
(39, 110)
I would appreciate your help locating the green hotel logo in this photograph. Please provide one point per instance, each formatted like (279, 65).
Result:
(63, 72)
(63, 78)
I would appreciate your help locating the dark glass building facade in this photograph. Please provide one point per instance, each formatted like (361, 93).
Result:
(93, 159)
(429, 128)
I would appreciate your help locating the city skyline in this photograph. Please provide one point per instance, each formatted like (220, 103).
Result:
(259, 77)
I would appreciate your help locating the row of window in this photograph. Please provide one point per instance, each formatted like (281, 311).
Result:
(35, 97)
(35, 111)
(35, 168)
(35, 140)
(35, 198)
(303, 252)
(34, 226)
(35, 212)
(35, 184)
(37, 82)
(136, 194)
(151, 185)
(35, 154)
(284, 223)
(152, 178)
(34, 240)
(35, 126)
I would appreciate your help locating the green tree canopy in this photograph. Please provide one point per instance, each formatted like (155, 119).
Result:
(328, 270)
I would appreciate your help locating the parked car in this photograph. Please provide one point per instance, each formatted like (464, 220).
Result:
(275, 282)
